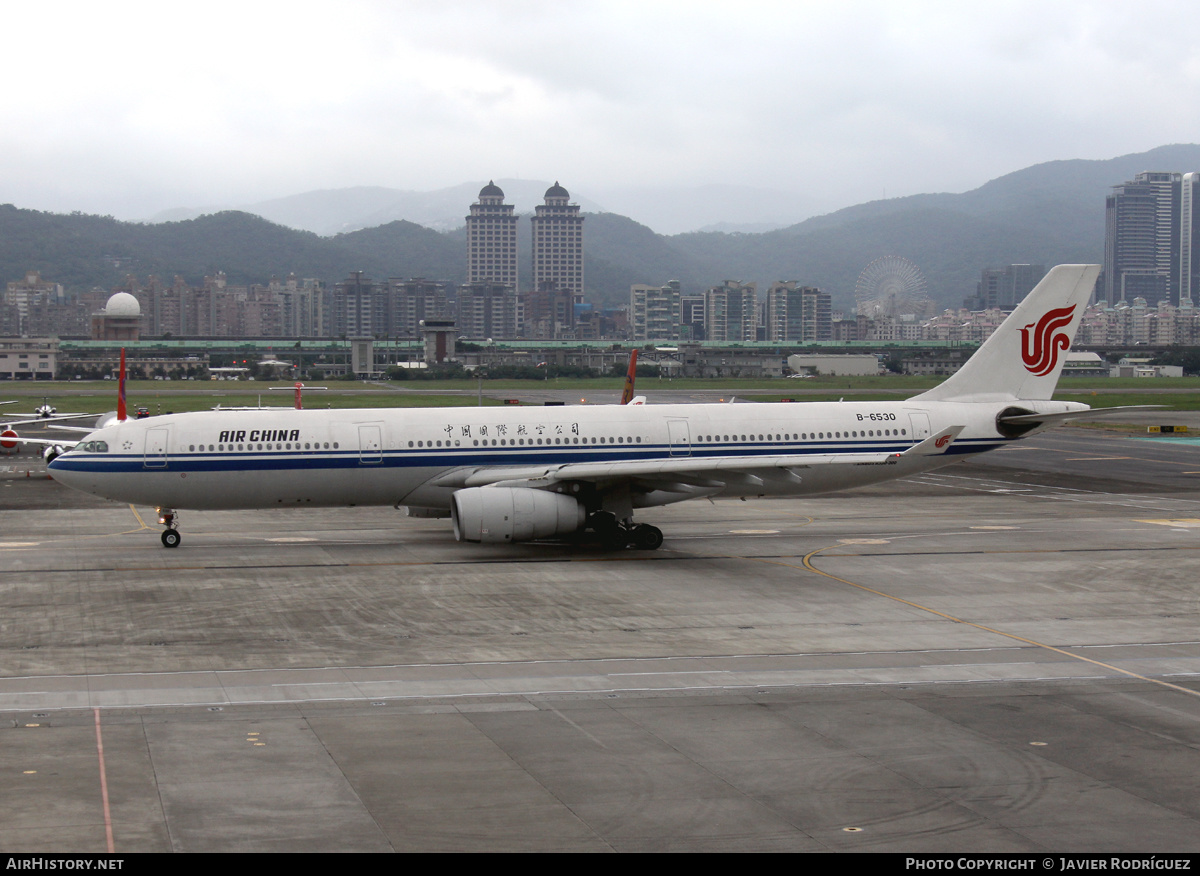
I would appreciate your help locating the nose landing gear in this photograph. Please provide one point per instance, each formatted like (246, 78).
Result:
(170, 535)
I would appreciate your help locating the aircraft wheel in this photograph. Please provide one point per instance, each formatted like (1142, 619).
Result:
(647, 537)
(171, 538)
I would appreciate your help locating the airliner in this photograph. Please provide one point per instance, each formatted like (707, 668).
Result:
(514, 474)
(46, 414)
(10, 441)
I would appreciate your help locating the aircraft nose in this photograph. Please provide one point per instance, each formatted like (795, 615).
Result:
(62, 471)
(70, 473)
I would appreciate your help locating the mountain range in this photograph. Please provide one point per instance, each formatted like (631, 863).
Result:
(1049, 213)
(668, 210)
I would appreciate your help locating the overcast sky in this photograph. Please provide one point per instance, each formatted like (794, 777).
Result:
(130, 108)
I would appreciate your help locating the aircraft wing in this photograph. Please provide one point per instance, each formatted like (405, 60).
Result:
(54, 419)
(686, 473)
(84, 430)
(45, 442)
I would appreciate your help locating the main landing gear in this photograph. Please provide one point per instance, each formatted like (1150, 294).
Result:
(645, 537)
(616, 534)
(170, 535)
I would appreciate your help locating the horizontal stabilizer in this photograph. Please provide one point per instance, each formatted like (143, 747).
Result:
(1090, 414)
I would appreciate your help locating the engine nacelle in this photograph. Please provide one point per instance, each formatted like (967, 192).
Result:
(8, 447)
(511, 514)
(53, 452)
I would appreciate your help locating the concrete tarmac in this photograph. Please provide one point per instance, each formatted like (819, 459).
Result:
(999, 656)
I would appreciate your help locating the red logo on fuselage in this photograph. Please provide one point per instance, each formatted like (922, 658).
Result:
(1040, 352)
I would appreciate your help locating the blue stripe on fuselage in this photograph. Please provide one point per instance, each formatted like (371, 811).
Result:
(472, 456)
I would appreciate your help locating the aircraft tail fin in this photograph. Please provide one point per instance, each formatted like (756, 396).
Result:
(121, 390)
(630, 375)
(1024, 357)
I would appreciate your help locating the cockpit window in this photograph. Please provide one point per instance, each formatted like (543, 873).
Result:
(93, 446)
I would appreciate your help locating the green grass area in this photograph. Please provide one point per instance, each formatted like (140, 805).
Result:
(95, 396)
(98, 396)
(1140, 384)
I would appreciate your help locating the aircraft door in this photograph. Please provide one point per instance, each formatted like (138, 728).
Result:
(370, 445)
(920, 425)
(156, 448)
(679, 437)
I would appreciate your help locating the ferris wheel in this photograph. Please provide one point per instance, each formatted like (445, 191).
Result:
(892, 286)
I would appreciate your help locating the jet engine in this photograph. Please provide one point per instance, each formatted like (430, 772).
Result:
(52, 452)
(511, 514)
(8, 447)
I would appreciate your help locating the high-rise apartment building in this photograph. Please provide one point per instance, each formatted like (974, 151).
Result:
(488, 310)
(492, 239)
(798, 313)
(25, 295)
(303, 305)
(557, 232)
(731, 312)
(654, 312)
(356, 307)
(411, 301)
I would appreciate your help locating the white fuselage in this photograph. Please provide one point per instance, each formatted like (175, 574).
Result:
(286, 458)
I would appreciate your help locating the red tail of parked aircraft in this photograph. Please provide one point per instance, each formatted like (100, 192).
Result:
(121, 390)
(627, 394)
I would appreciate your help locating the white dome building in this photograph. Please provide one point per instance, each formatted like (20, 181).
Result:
(120, 320)
(123, 304)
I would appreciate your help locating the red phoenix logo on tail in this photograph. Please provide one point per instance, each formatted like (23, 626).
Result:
(1040, 353)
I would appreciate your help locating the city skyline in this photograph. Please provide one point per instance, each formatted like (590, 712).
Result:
(552, 296)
